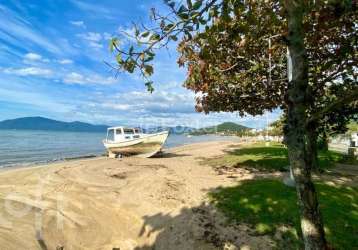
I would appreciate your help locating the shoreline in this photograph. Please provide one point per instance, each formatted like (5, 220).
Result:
(45, 163)
(81, 157)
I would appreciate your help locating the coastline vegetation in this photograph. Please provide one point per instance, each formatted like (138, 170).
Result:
(227, 128)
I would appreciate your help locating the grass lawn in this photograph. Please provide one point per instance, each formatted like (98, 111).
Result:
(270, 158)
(270, 206)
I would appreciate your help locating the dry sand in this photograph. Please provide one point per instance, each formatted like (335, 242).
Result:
(130, 203)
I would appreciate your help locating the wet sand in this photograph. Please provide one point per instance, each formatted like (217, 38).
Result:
(130, 203)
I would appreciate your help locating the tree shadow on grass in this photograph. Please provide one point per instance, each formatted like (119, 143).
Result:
(259, 214)
(265, 164)
(271, 207)
(271, 158)
(270, 151)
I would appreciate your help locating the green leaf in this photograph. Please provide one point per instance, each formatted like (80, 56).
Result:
(112, 43)
(182, 9)
(189, 28)
(194, 14)
(197, 4)
(129, 66)
(189, 3)
(155, 37)
(174, 38)
(168, 27)
(148, 69)
(145, 34)
(183, 16)
(150, 56)
(149, 86)
(188, 34)
(202, 21)
(149, 53)
(119, 58)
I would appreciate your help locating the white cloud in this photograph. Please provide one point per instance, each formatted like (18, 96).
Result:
(78, 24)
(160, 102)
(13, 24)
(74, 77)
(95, 9)
(77, 78)
(96, 45)
(29, 71)
(129, 35)
(91, 36)
(65, 61)
(117, 106)
(107, 36)
(93, 39)
(33, 57)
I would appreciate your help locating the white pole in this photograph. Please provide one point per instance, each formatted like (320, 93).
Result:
(270, 66)
(289, 66)
(291, 180)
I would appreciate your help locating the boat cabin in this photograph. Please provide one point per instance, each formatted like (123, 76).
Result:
(116, 134)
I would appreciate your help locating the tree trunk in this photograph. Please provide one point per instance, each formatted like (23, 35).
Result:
(324, 141)
(311, 220)
(312, 152)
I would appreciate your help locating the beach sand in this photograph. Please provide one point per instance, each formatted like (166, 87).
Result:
(129, 203)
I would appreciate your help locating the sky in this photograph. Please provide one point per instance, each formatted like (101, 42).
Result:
(52, 64)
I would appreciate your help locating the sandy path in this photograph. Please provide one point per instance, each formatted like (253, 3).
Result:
(132, 203)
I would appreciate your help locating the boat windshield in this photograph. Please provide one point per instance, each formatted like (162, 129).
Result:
(128, 131)
(110, 135)
(137, 131)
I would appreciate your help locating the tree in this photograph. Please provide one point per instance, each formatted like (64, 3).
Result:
(332, 51)
(311, 220)
(277, 126)
(223, 45)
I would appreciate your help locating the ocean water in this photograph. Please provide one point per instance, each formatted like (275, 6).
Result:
(29, 147)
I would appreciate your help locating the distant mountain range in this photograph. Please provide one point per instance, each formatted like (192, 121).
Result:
(41, 123)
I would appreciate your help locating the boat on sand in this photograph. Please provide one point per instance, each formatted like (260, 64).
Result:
(122, 141)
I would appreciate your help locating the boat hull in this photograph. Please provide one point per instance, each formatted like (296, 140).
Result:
(146, 146)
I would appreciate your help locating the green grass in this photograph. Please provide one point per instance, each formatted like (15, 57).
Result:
(269, 158)
(267, 205)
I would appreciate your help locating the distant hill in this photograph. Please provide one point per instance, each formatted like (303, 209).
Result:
(41, 123)
(226, 127)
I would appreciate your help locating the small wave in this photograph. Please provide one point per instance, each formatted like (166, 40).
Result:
(12, 164)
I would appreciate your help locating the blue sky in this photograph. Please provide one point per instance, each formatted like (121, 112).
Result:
(52, 55)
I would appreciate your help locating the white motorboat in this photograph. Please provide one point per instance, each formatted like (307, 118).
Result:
(132, 141)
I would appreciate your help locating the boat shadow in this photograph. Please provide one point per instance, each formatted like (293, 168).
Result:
(169, 155)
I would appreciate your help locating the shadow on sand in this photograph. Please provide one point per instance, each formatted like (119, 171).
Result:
(199, 228)
(169, 155)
